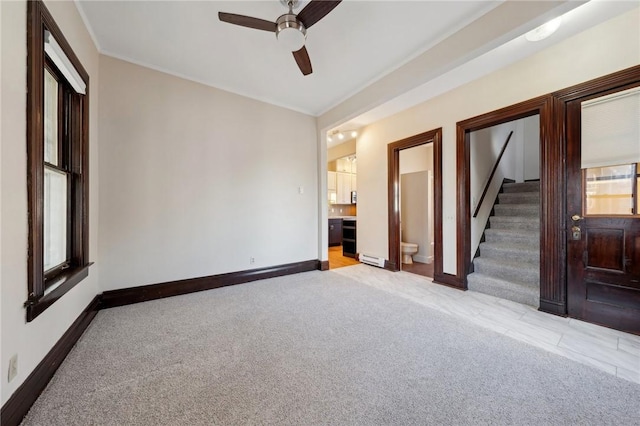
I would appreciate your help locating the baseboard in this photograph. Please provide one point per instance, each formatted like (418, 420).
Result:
(127, 296)
(323, 265)
(391, 266)
(552, 307)
(449, 280)
(16, 407)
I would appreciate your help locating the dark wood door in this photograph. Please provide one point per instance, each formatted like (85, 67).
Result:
(603, 247)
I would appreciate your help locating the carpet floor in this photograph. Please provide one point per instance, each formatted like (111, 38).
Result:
(316, 348)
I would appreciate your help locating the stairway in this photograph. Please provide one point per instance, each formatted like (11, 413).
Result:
(509, 263)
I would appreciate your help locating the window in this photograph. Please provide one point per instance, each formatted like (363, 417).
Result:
(57, 139)
(612, 190)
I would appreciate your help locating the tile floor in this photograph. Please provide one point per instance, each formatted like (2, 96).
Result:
(609, 350)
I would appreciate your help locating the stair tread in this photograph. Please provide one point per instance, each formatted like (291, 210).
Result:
(503, 282)
(511, 232)
(516, 218)
(520, 293)
(521, 187)
(510, 247)
(508, 264)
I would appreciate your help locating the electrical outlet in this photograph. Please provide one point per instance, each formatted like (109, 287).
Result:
(252, 261)
(13, 367)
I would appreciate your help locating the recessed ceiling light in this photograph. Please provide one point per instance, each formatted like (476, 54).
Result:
(354, 134)
(544, 31)
(340, 136)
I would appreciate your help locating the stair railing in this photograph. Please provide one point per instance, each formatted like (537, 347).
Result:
(493, 172)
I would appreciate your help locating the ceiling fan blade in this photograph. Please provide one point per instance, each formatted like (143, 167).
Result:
(302, 59)
(315, 11)
(247, 21)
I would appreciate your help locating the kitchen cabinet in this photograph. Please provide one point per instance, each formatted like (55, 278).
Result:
(343, 188)
(335, 232)
(331, 181)
(343, 165)
(353, 182)
(349, 237)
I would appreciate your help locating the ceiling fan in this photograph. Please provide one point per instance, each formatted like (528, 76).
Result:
(290, 29)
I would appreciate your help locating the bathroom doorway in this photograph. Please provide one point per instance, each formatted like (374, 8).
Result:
(415, 197)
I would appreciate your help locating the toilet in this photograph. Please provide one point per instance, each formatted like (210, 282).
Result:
(408, 250)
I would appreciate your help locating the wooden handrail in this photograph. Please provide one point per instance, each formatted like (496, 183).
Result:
(493, 172)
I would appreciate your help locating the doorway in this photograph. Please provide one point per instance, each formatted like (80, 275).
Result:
(426, 182)
(416, 210)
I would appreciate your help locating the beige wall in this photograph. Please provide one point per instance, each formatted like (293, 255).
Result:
(342, 150)
(31, 341)
(606, 48)
(195, 181)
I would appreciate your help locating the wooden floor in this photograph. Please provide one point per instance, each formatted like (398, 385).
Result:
(337, 260)
(424, 269)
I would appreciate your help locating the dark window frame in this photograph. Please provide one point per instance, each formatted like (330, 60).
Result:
(45, 289)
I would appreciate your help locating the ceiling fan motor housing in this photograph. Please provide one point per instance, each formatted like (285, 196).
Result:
(290, 32)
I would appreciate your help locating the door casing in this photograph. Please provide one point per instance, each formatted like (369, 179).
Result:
(393, 162)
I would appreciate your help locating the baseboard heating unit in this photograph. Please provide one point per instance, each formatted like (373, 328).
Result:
(372, 260)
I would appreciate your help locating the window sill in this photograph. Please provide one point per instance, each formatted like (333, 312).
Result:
(61, 285)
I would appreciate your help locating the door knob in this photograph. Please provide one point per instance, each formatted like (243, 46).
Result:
(576, 217)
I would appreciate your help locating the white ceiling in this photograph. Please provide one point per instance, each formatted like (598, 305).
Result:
(357, 44)
(354, 45)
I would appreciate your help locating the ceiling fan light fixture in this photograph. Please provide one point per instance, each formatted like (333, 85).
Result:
(290, 32)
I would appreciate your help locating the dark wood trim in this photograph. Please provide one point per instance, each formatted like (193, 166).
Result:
(38, 20)
(553, 251)
(144, 293)
(393, 183)
(600, 86)
(449, 280)
(541, 105)
(14, 410)
(323, 265)
(66, 280)
(492, 174)
(551, 307)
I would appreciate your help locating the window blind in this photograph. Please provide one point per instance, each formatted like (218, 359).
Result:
(611, 129)
(57, 55)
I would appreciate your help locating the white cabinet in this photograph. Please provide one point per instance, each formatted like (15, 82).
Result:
(331, 181)
(343, 184)
(343, 165)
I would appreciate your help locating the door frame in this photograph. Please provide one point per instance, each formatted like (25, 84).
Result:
(393, 186)
(615, 82)
(552, 294)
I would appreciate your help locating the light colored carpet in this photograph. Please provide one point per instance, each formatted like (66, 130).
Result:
(316, 348)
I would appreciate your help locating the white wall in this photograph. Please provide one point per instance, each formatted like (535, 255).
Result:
(606, 48)
(196, 180)
(416, 159)
(414, 212)
(31, 341)
(416, 165)
(531, 151)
